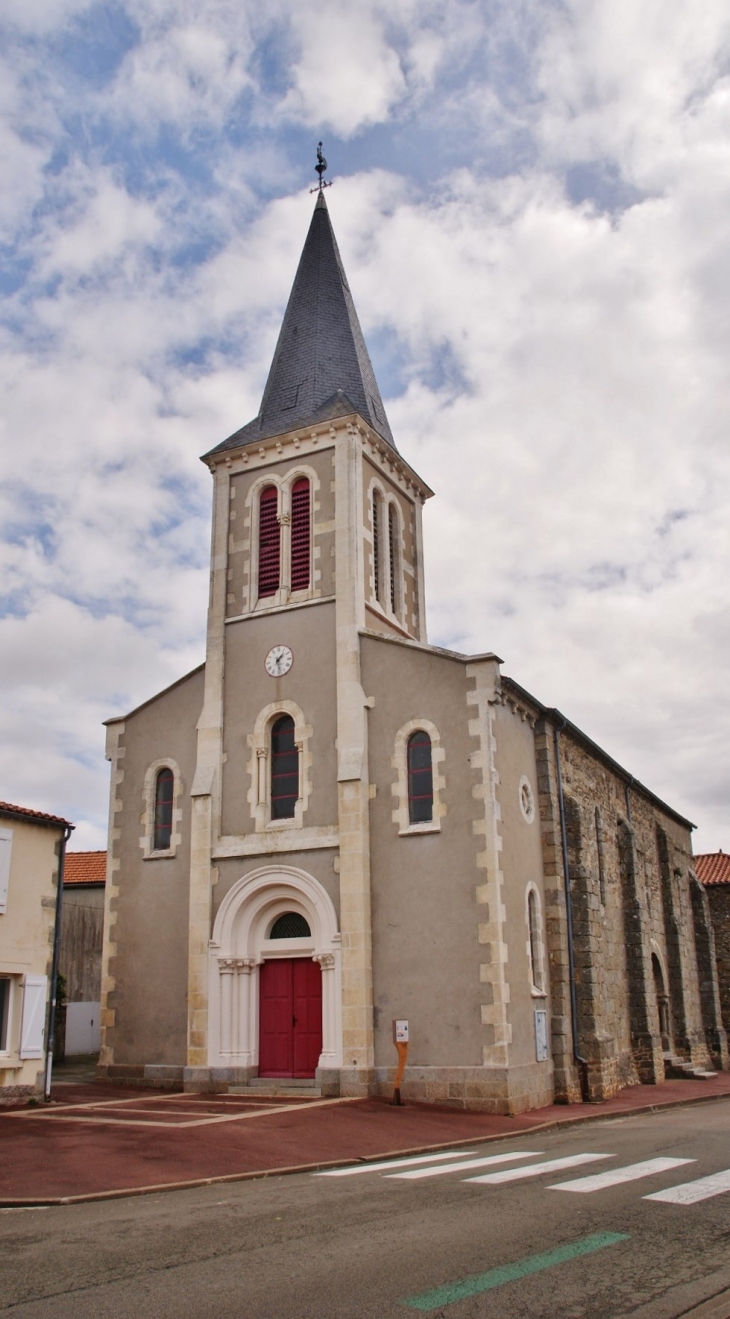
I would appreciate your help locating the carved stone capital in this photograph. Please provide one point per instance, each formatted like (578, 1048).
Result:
(326, 960)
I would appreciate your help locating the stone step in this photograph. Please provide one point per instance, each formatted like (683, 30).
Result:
(275, 1092)
(279, 1087)
(679, 1069)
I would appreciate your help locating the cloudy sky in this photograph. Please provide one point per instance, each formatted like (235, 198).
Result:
(532, 199)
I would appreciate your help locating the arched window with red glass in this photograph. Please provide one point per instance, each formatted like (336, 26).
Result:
(420, 778)
(284, 769)
(269, 542)
(164, 796)
(300, 535)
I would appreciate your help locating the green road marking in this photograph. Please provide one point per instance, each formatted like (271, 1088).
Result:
(522, 1268)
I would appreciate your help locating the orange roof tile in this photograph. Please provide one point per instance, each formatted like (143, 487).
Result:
(713, 867)
(6, 809)
(85, 868)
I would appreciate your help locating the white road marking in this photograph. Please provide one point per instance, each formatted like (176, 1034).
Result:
(457, 1167)
(390, 1163)
(633, 1172)
(690, 1193)
(537, 1169)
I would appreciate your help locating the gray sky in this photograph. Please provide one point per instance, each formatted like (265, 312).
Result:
(532, 200)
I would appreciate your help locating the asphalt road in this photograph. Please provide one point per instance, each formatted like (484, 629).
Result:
(371, 1244)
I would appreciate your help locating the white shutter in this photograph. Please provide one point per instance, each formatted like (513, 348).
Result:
(33, 1025)
(6, 845)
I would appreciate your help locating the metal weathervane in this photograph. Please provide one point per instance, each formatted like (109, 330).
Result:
(320, 168)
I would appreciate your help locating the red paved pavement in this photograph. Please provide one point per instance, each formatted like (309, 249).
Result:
(106, 1147)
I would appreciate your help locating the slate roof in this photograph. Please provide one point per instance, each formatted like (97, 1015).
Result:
(85, 868)
(9, 811)
(713, 867)
(321, 367)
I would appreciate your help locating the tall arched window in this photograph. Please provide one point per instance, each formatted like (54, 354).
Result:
(420, 778)
(377, 545)
(269, 542)
(393, 557)
(300, 535)
(164, 793)
(533, 922)
(284, 769)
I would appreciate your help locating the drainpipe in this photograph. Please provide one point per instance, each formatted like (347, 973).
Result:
(579, 1059)
(54, 964)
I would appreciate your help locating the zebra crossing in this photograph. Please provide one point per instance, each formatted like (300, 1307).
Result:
(455, 1162)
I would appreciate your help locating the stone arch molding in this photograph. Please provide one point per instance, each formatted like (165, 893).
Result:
(240, 944)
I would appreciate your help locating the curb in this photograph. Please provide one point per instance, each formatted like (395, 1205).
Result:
(558, 1124)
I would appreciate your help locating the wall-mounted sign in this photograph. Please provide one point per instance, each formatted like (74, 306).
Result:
(400, 1032)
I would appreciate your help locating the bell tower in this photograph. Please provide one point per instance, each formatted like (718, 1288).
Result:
(317, 541)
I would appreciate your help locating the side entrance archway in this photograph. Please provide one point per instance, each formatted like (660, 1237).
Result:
(274, 977)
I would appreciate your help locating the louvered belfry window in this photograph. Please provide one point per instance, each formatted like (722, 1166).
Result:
(377, 561)
(393, 555)
(420, 778)
(300, 535)
(164, 789)
(284, 769)
(269, 542)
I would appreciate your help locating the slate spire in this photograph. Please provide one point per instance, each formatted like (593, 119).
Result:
(321, 367)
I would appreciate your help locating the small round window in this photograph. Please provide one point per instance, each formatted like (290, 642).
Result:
(290, 926)
(527, 801)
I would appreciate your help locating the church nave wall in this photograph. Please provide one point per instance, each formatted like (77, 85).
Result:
(144, 976)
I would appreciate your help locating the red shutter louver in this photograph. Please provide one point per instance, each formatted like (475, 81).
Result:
(269, 542)
(300, 535)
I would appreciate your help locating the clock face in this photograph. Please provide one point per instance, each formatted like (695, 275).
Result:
(278, 661)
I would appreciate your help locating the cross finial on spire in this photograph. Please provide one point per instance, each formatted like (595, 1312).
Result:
(320, 167)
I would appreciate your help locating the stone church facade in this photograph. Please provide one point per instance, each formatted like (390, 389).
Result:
(332, 824)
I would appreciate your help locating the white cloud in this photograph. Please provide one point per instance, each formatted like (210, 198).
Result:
(564, 361)
(347, 75)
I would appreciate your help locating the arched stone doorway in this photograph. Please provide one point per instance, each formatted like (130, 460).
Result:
(662, 1001)
(242, 946)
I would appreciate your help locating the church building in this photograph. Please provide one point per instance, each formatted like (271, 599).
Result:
(331, 824)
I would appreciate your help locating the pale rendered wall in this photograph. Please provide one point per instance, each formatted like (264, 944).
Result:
(425, 950)
(310, 684)
(522, 866)
(148, 967)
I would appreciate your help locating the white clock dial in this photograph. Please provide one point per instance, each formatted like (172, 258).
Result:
(278, 661)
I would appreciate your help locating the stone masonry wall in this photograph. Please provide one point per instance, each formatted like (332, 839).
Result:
(718, 896)
(636, 937)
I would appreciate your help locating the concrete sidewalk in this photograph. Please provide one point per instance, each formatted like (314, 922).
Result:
(99, 1141)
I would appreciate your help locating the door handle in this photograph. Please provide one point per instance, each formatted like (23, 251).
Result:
(293, 1021)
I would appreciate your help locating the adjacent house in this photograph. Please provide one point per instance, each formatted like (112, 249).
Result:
(32, 846)
(82, 929)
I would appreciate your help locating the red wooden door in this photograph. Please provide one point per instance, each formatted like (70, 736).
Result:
(290, 1017)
